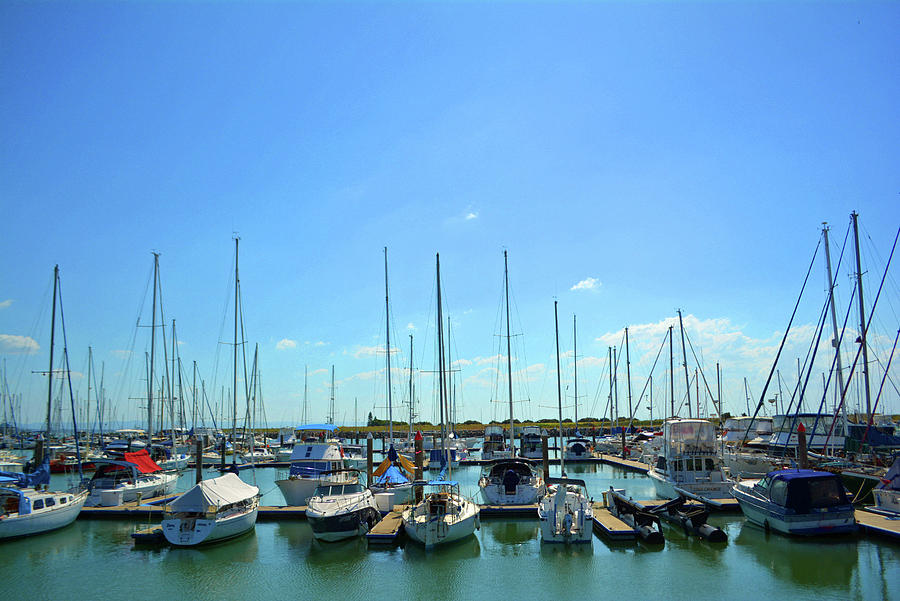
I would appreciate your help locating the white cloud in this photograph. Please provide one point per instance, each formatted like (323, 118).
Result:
(320, 343)
(121, 354)
(13, 344)
(321, 370)
(285, 343)
(587, 284)
(370, 351)
(410, 326)
(5, 304)
(471, 215)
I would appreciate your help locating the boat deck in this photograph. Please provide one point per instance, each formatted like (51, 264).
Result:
(726, 505)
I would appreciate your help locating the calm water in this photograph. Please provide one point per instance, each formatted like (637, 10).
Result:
(95, 559)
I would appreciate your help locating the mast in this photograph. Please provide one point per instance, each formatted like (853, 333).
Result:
(512, 435)
(100, 400)
(628, 376)
(387, 329)
(575, 361)
(234, 383)
(562, 456)
(50, 373)
(194, 399)
(862, 318)
(410, 385)
(88, 409)
(836, 341)
(440, 342)
(610, 403)
(172, 390)
(331, 405)
(304, 415)
(671, 375)
(616, 384)
(687, 380)
(152, 352)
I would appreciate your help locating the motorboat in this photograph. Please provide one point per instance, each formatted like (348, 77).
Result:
(309, 461)
(565, 512)
(530, 443)
(822, 432)
(746, 429)
(443, 515)
(120, 481)
(802, 502)
(212, 510)
(578, 448)
(25, 510)
(749, 462)
(511, 482)
(258, 455)
(340, 510)
(494, 446)
(688, 464)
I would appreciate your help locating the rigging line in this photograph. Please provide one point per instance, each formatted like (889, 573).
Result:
(865, 330)
(62, 321)
(880, 388)
(889, 378)
(784, 338)
(703, 374)
(647, 382)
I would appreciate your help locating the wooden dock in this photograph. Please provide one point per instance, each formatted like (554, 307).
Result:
(877, 523)
(628, 464)
(387, 531)
(610, 526)
(726, 505)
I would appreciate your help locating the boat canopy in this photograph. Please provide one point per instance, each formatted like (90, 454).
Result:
(31, 480)
(142, 460)
(804, 490)
(400, 464)
(574, 481)
(208, 495)
(392, 475)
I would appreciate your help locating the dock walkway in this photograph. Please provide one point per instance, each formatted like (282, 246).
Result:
(876, 523)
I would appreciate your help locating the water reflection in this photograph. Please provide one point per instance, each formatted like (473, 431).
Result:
(815, 562)
(467, 548)
(512, 532)
(243, 549)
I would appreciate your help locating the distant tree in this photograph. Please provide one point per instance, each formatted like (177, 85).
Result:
(372, 420)
(471, 422)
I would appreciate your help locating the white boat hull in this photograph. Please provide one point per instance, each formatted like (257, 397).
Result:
(194, 531)
(432, 531)
(565, 519)
(160, 484)
(666, 489)
(887, 500)
(496, 494)
(43, 520)
(761, 514)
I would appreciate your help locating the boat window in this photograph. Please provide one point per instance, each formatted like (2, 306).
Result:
(710, 464)
(778, 492)
(64, 499)
(825, 492)
(50, 502)
(39, 504)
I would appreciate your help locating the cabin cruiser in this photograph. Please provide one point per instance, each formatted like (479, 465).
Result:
(817, 426)
(212, 510)
(341, 510)
(804, 502)
(687, 464)
(747, 430)
(511, 482)
(25, 510)
(309, 461)
(120, 481)
(578, 448)
(494, 446)
(530, 443)
(565, 512)
(443, 515)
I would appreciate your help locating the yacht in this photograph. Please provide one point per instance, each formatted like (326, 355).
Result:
(565, 512)
(341, 510)
(803, 502)
(120, 481)
(687, 464)
(443, 515)
(578, 448)
(309, 461)
(213, 510)
(530, 443)
(25, 510)
(494, 446)
(817, 425)
(511, 482)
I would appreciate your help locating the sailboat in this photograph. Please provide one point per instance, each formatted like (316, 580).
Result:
(212, 510)
(443, 515)
(510, 481)
(24, 509)
(565, 512)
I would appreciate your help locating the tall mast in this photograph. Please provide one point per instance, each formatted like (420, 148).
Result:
(836, 341)
(862, 319)
(512, 436)
(194, 399)
(234, 383)
(687, 380)
(671, 375)
(152, 351)
(615, 363)
(50, 373)
(440, 342)
(562, 455)
(172, 390)
(387, 329)
(575, 361)
(411, 400)
(331, 406)
(610, 361)
(304, 417)
(628, 376)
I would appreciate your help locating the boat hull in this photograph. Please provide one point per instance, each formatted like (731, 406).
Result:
(331, 528)
(160, 484)
(770, 516)
(195, 531)
(497, 494)
(568, 520)
(441, 531)
(41, 521)
(666, 489)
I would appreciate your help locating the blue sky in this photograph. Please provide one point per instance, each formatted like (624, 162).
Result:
(681, 155)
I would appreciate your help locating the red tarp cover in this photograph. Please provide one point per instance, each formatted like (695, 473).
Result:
(142, 458)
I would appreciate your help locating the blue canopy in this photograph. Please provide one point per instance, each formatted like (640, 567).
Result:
(789, 475)
(392, 475)
(39, 476)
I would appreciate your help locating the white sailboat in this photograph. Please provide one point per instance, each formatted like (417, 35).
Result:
(565, 512)
(120, 481)
(443, 515)
(212, 510)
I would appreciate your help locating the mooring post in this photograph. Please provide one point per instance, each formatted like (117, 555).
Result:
(223, 454)
(545, 454)
(198, 459)
(420, 462)
(802, 459)
(370, 443)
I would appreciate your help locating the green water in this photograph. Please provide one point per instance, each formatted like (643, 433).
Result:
(95, 559)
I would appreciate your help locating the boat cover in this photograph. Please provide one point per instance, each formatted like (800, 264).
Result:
(30, 480)
(393, 458)
(142, 460)
(207, 495)
(391, 475)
